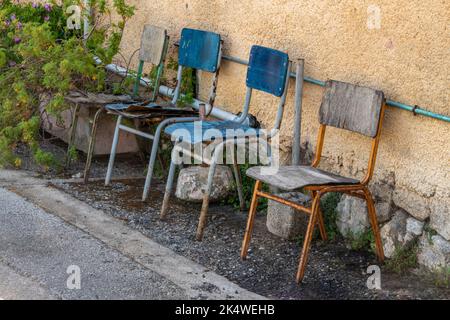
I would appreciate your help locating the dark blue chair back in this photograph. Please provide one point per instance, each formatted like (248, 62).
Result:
(267, 70)
(199, 50)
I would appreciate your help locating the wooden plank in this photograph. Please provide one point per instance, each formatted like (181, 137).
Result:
(351, 107)
(95, 99)
(152, 44)
(295, 177)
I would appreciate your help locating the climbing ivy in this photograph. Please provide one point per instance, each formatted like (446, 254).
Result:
(41, 57)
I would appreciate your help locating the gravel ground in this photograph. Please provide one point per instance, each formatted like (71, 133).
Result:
(333, 271)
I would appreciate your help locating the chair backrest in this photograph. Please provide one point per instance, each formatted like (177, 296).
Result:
(351, 107)
(267, 70)
(153, 42)
(199, 50)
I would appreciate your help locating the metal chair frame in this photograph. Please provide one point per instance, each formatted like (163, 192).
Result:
(102, 109)
(217, 152)
(359, 190)
(157, 135)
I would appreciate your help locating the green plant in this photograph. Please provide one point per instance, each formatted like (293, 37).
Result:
(41, 57)
(362, 241)
(429, 232)
(247, 188)
(442, 277)
(72, 153)
(404, 258)
(328, 205)
(188, 83)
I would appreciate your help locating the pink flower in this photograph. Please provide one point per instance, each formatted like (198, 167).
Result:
(35, 5)
(17, 40)
(48, 7)
(46, 18)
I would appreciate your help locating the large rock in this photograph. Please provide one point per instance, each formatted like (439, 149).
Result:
(382, 190)
(284, 221)
(440, 216)
(352, 216)
(434, 253)
(414, 226)
(383, 193)
(384, 211)
(401, 231)
(192, 182)
(415, 204)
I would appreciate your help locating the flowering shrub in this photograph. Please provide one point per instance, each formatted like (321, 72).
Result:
(40, 55)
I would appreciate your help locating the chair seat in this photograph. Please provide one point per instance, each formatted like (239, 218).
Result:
(207, 131)
(295, 177)
(151, 110)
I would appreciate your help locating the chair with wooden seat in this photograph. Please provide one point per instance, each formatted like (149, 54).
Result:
(344, 106)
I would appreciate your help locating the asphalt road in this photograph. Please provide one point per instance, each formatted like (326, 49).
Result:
(36, 250)
(72, 251)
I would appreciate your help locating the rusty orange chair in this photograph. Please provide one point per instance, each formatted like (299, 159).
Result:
(345, 106)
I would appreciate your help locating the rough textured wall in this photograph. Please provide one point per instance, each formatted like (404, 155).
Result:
(407, 58)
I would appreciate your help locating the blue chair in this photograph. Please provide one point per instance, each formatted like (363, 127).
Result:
(199, 50)
(268, 71)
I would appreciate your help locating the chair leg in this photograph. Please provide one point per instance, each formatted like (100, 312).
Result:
(308, 237)
(237, 176)
(250, 220)
(161, 160)
(169, 186)
(374, 223)
(321, 223)
(92, 138)
(72, 133)
(112, 156)
(323, 231)
(140, 142)
(153, 156)
(205, 205)
(151, 166)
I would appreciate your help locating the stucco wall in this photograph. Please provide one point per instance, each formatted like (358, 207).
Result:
(407, 58)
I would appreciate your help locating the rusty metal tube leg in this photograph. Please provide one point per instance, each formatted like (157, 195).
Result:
(308, 238)
(321, 223)
(205, 205)
(92, 138)
(169, 186)
(374, 223)
(237, 176)
(112, 155)
(250, 220)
